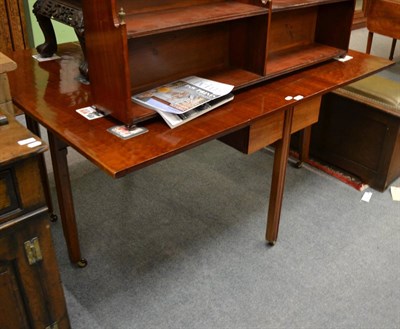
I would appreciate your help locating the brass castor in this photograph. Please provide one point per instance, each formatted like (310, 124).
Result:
(53, 218)
(82, 263)
(271, 243)
(298, 164)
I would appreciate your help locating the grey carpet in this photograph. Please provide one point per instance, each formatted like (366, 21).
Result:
(180, 244)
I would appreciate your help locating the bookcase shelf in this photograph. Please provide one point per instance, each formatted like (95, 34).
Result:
(299, 57)
(239, 42)
(160, 21)
(287, 5)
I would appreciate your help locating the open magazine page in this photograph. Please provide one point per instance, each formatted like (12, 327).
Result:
(182, 95)
(174, 120)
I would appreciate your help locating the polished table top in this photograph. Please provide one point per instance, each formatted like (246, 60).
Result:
(51, 93)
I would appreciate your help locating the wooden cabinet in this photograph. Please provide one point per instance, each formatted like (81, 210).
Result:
(132, 46)
(30, 288)
(13, 34)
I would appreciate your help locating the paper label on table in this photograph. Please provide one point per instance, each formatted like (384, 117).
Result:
(34, 144)
(395, 191)
(366, 197)
(26, 141)
(125, 133)
(298, 97)
(39, 58)
(90, 113)
(343, 59)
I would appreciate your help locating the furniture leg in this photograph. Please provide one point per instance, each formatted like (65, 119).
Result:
(58, 151)
(304, 146)
(394, 41)
(278, 179)
(369, 42)
(33, 126)
(49, 47)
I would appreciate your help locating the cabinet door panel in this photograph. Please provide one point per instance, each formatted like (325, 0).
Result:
(31, 294)
(12, 308)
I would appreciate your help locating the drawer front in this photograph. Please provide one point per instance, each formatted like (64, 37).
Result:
(305, 114)
(268, 130)
(21, 189)
(9, 200)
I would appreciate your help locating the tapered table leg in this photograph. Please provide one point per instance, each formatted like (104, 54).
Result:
(58, 151)
(278, 179)
(33, 126)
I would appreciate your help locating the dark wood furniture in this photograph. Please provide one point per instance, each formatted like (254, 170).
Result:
(136, 46)
(359, 128)
(359, 131)
(383, 17)
(261, 110)
(30, 287)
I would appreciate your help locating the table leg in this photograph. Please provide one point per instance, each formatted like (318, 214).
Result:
(58, 151)
(278, 179)
(304, 146)
(33, 126)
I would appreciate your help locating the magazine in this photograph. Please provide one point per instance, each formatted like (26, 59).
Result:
(185, 99)
(174, 120)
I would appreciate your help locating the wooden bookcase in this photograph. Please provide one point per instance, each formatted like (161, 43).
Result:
(132, 46)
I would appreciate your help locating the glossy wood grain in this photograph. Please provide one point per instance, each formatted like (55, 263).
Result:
(51, 93)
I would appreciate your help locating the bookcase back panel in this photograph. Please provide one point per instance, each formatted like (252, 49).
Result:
(163, 58)
(291, 29)
(328, 31)
(248, 44)
(307, 35)
(203, 51)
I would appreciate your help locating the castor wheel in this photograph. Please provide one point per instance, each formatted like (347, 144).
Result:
(53, 218)
(298, 164)
(82, 263)
(271, 243)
